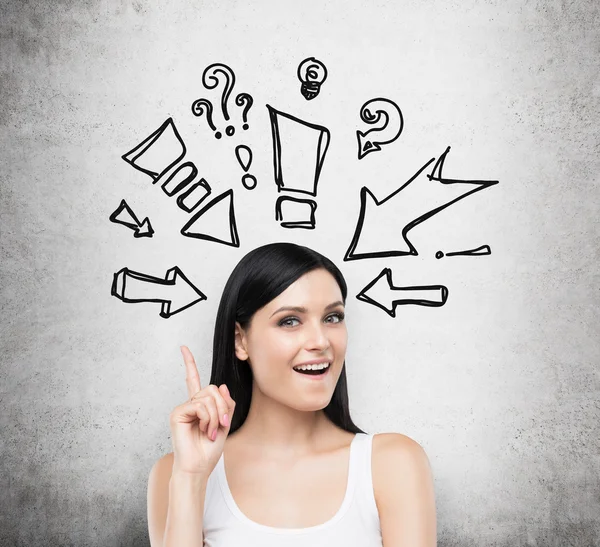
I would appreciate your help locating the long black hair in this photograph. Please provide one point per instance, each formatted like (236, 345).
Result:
(258, 278)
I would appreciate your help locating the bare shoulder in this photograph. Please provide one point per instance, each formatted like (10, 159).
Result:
(396, 455)
(388, 446)
(403, 489)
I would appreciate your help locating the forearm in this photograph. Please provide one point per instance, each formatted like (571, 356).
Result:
(186, 510)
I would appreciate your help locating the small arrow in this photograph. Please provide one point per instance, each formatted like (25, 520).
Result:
(381, 292)
(175, 292)
(128, 218)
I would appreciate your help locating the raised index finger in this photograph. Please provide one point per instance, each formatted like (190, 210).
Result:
(192, 378)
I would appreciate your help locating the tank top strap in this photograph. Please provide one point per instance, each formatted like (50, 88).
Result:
(365, 496)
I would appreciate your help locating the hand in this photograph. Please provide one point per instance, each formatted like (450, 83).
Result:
(194, 422)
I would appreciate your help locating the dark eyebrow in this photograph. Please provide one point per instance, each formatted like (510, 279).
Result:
(300, 309)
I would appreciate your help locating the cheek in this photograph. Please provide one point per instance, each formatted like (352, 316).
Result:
(340, 339)
(273, 348)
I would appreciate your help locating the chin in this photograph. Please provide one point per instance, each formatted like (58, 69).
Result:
(312, 404)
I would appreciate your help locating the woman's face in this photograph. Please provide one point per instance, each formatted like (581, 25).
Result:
(304, 323)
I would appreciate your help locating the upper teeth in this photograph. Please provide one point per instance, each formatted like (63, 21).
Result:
(312, 367)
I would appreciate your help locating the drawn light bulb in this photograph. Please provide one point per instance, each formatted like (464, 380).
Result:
(312, 73)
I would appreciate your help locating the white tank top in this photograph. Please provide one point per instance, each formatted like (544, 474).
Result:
(355, 523)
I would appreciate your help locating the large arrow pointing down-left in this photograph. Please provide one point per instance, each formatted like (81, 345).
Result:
(174, 292)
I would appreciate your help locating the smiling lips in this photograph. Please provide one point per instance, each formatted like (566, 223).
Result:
(315, 371)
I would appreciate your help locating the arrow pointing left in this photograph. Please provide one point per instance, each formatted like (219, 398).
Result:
(174, 292)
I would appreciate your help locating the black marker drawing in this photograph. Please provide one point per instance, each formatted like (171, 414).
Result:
(243, 155)
(194, 196)
(312, 73)
(297, 170)
(158, 156)
(124, 215)
(245, 100)
(299, 214)
(484, 250)
(297, 167)
(388, 132)
(179, 178)
(210, 81)
(218, 216)
(414, 202)
(384, 295)
(174, 292)
(201, 106)
(158, 152)
(212, 77)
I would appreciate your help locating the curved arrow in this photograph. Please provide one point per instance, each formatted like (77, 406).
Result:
(389, 131)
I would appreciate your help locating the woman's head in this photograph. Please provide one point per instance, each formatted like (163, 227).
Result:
(257, 341)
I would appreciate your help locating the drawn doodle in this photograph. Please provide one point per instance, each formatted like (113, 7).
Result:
(194, 196)
(158, 152)
(180, 177)
(243, 155)
(175, 292)
(199, 107)
(157, 156)
(414, 202)
(298, 213)
(220, 75)
(297, 170)
(388, 132)
(383, 294)
(210, 81)
(245, 100)
(212, 218)
(297, 165)
(479, 251)
(312, 73)
(124, 215)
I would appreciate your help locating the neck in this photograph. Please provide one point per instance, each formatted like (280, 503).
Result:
(282, 430)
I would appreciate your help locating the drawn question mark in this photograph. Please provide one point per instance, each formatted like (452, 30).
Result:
(201, 106)
(389, 131)
(210, 79)
(245, 100)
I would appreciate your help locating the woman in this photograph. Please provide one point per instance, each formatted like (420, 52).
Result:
(267, 454)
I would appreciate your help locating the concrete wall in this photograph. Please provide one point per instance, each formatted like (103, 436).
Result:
(500, 384)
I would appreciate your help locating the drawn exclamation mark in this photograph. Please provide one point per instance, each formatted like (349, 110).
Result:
(244, 157)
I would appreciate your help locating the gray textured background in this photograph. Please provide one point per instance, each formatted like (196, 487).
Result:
(501, 386)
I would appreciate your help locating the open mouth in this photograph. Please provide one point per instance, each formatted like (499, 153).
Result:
(320, 370)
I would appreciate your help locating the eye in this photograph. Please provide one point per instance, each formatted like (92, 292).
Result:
(340, 317)
(286, 322)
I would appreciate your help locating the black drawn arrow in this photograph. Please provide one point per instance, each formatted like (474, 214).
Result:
(124, 215)
(415, 201)
(174, 292)
(372, 112)
(385, 296)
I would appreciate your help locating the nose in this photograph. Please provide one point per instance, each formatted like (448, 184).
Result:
(316, 337)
